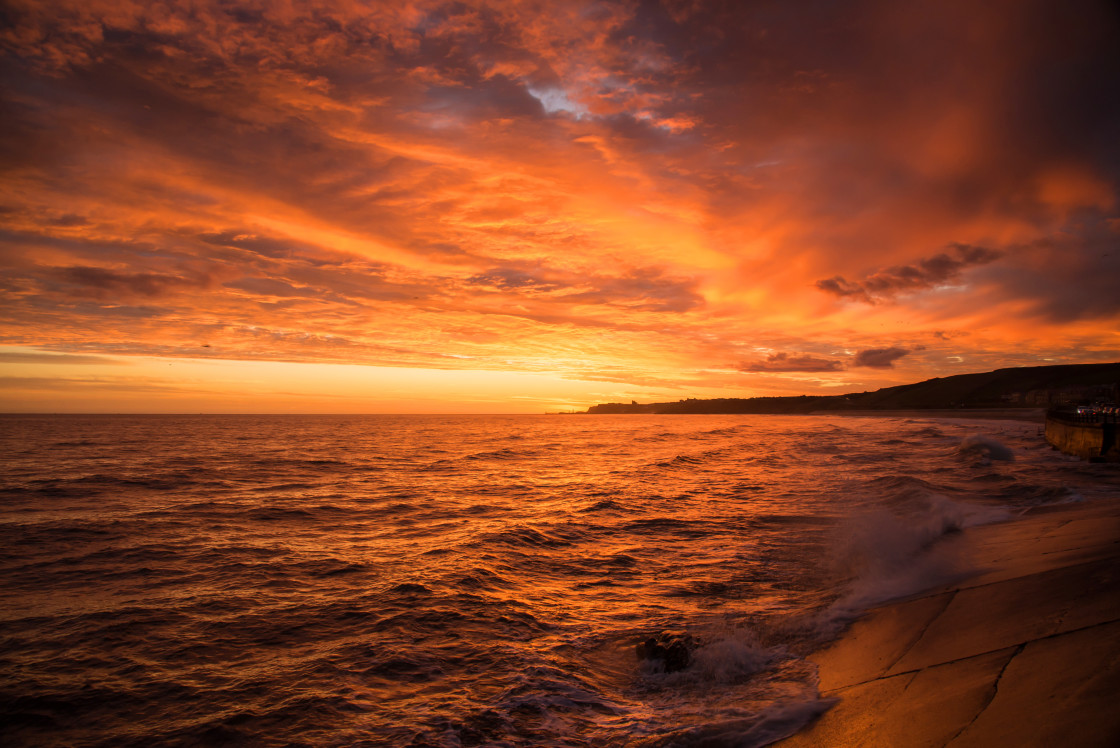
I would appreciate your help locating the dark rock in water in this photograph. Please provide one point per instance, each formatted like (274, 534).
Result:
(672, 648)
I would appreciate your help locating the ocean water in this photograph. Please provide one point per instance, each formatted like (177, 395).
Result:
(465, 581)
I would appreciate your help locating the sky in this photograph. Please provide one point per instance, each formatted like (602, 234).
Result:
(529, 206)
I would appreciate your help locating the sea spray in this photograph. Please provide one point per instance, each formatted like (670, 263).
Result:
(884, 556)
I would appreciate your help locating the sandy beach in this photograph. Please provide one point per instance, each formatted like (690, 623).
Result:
(1025, 651)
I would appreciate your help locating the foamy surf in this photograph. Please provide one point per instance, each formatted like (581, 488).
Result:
(883, 556)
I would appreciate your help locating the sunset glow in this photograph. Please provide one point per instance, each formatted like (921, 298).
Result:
(536, 206)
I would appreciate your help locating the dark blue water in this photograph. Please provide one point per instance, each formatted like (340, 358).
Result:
(461, 581)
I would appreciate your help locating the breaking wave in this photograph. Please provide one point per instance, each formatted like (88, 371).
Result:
(986, 447)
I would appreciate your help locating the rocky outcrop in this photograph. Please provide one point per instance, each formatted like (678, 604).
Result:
(671, 649)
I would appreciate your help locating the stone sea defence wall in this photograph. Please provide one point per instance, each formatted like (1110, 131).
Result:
(1089, 441)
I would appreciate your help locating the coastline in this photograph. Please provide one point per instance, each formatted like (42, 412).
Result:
(1032, 415)
(1023, 652)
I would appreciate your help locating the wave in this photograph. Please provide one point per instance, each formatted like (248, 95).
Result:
(775, 722)
(725, 431)
(276, 514)
(895, 487)
(605, 505)
(409, 589)
(463, 462)
(727, 655)
(1034, 494)
(931, 432)
(681, 461)
(677, 526)
(663, 436)
(284, 487)
(791, 519)
(480, 578)
(498, 454)
(885, 556)
(732, 658)
(329, 567)
(312, 462)
(104, 481)
(693, 460)
(523, 537)
(986, 448)
(705, 588)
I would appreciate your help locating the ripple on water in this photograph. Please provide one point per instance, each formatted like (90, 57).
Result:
(461, 581)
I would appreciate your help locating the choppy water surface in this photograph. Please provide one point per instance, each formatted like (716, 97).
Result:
(459, 581)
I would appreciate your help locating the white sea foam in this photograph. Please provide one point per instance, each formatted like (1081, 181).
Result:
(731, 658)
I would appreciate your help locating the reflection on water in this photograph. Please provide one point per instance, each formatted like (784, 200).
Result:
(450, 581)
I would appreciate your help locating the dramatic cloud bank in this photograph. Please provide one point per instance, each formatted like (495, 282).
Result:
(651, 196)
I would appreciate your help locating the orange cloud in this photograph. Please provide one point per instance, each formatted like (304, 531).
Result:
(663, 195)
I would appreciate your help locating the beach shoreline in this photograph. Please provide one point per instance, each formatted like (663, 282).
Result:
(1024, 651)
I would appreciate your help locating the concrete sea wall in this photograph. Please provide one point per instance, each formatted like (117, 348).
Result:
(1089, 441)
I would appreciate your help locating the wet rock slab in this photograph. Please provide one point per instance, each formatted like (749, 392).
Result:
(1025, 653)
(670, 650)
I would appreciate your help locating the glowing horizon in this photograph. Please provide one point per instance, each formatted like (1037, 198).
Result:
(515, 207)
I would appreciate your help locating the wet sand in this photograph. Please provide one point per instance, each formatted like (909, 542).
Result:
(1024, 652)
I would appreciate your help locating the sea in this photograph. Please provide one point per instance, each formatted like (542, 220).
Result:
(457, 581)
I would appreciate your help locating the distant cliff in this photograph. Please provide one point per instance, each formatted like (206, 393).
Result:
(1029, 386)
